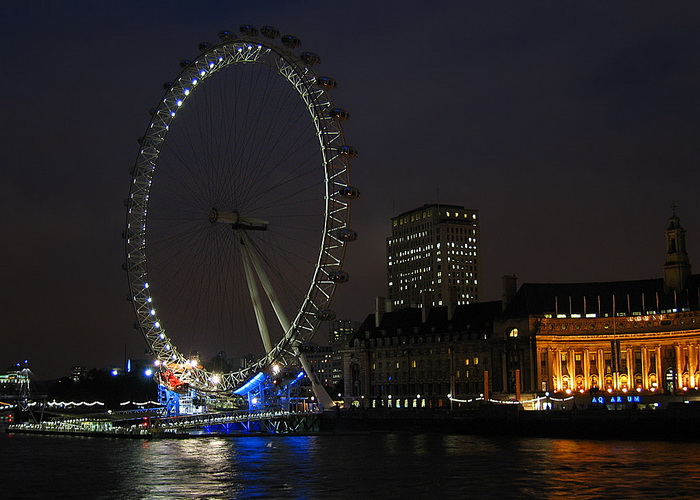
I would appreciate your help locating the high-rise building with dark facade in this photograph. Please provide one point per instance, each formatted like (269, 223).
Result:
(433, 257)
(339, 333)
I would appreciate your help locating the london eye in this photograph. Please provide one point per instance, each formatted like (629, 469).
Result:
(238, 210)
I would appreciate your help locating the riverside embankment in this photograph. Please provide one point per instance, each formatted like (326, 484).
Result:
(673, 423)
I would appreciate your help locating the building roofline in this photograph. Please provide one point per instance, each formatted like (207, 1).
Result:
(432, 205)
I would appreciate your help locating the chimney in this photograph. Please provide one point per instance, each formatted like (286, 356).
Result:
(379, 310)
(510, 288)
(426, 302)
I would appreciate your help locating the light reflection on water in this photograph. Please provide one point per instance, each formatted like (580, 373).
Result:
(365, 466)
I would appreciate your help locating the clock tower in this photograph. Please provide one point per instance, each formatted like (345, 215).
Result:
(677, 267)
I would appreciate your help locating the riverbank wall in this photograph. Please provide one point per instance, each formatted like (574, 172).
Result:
(681, 422)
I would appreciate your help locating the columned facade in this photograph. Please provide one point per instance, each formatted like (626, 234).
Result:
(657, 353)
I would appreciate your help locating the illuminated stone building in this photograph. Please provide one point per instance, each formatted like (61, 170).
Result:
(432, 255)
(636, 337)
(639, 339)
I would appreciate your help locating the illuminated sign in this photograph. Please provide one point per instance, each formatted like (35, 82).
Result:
(651, 317)
(616, 399)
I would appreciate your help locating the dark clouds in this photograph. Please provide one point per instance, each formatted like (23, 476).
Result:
(572, 127)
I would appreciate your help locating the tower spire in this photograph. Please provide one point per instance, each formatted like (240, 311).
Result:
(677, 266)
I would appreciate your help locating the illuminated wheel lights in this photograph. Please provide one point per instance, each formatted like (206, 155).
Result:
(235, 53)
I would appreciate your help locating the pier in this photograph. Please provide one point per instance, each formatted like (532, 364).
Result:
(153, 423)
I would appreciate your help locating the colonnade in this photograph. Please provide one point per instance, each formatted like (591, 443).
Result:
(664, 367)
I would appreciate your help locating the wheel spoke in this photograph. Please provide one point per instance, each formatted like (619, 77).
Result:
(236, 185)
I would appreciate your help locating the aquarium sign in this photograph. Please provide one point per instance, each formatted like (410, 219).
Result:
(616, 399)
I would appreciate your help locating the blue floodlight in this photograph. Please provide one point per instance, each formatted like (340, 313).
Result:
(251, 384)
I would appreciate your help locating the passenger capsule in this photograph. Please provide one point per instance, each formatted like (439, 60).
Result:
(349, 192)
(152, 111)
(226, 35)
(270, 32)
(326, 83)
(339, 276)
(290, 41)
(310, 58)
(325, 315)
(345, 234)
(137, 326)
(184, 63)
(347, 151)
(339, 114)
(248, 29)
(168, 85)
(203, 46)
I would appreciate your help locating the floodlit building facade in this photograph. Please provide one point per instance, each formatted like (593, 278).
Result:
(630, 337)
(433, 257)
(629, 342)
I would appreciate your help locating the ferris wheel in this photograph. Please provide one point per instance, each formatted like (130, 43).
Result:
(238, 210)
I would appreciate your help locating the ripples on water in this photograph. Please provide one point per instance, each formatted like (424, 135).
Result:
(360, 466)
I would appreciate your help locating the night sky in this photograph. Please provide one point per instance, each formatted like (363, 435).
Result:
(571, 126)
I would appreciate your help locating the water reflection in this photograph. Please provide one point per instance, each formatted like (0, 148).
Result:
(606, 468)
(327, 467)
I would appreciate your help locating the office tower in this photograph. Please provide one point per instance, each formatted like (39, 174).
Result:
(432, 255)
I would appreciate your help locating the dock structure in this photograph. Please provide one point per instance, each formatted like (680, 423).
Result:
(155, 424)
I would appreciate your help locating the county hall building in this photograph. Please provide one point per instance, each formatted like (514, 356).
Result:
(632, 339)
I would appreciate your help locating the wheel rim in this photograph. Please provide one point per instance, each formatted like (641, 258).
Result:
(163, 245)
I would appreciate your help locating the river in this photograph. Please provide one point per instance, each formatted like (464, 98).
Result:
(391, 465)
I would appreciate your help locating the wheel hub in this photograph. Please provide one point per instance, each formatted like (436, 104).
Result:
(236, 221)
